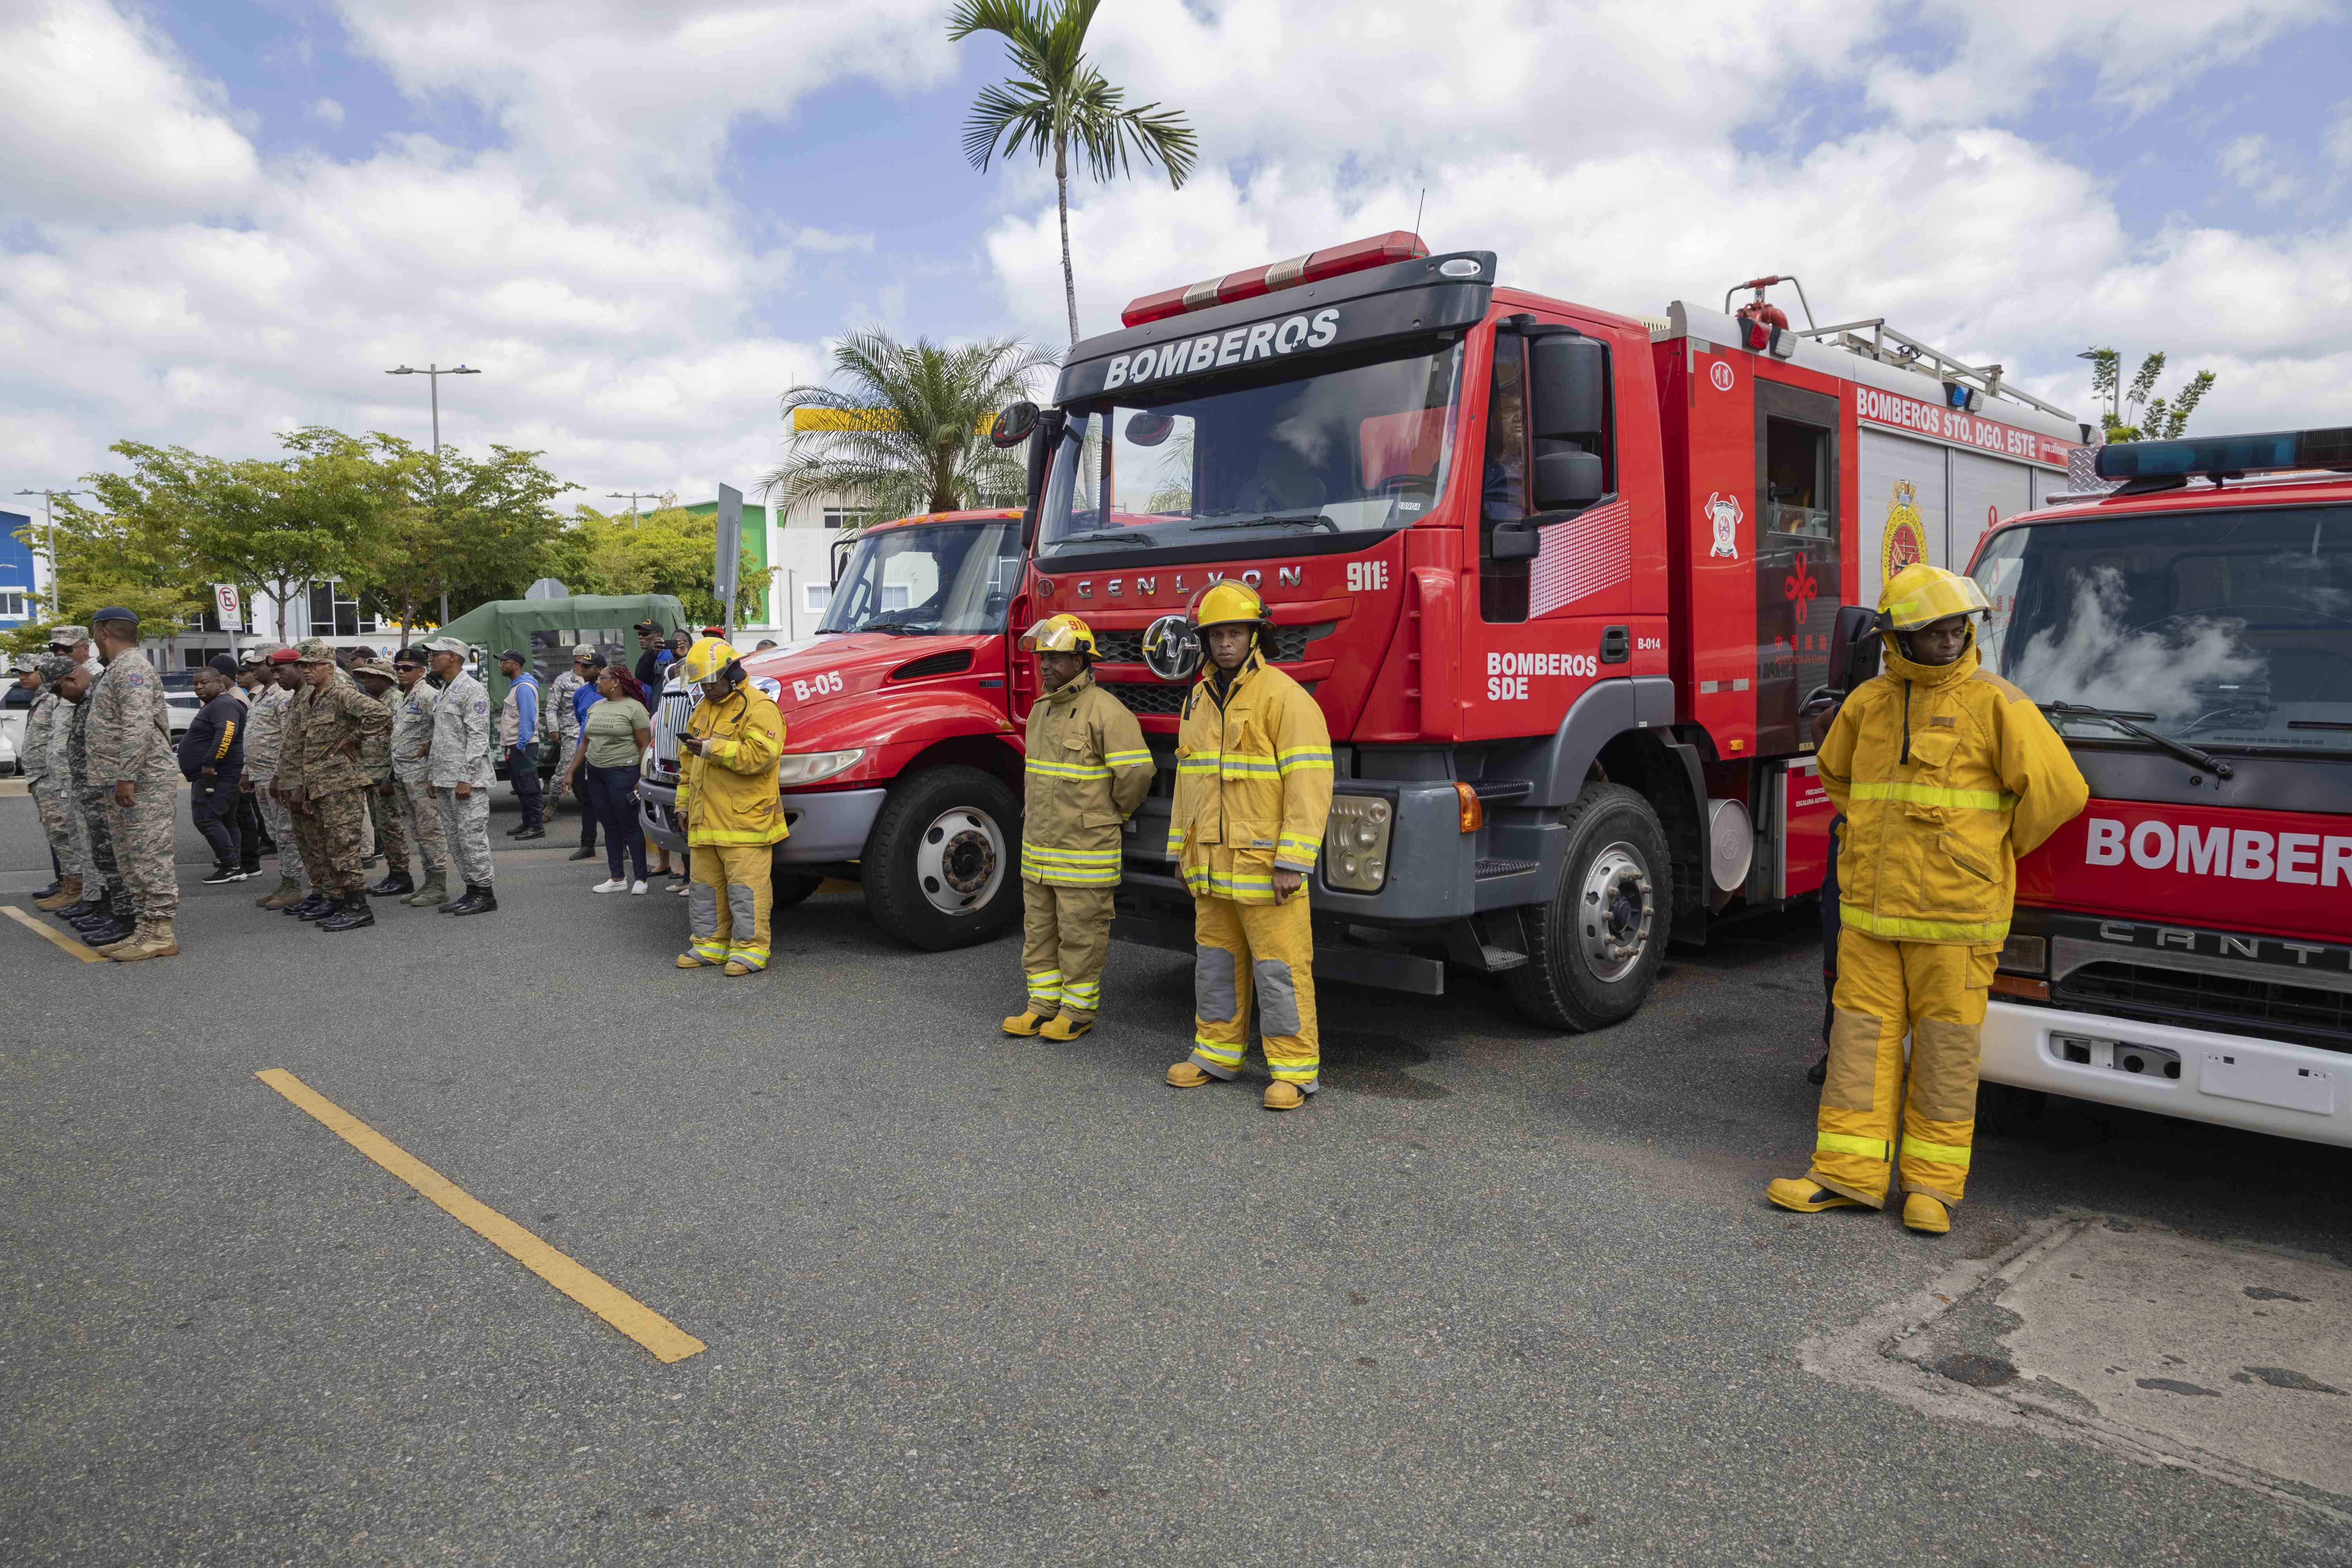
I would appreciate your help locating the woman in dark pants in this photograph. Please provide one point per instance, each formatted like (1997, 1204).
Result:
(604, 774)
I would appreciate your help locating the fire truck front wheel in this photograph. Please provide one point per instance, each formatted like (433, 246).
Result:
(941, 867)
(1594, 950)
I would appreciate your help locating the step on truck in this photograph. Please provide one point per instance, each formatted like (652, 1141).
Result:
(2184, 945)
(1560, 581)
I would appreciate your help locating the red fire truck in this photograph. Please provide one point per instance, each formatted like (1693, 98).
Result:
(2185, 944)
(1560, 581)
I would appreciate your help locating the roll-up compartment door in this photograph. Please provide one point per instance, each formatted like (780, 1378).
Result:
(1902, 506)
(1985, 490)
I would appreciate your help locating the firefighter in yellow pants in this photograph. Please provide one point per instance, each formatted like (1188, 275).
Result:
(1946, 773)
(1087, 770)
(1252, 790)
(734, 816)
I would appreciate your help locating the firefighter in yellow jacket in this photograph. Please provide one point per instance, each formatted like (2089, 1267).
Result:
(726, 793)
(1087, 770)
(1253, 789)
(1946, 773)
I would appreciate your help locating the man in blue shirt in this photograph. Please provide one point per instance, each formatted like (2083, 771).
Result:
(518, 739)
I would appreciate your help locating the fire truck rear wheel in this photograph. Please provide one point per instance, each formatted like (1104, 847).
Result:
(1594, 950)
(941, 863)
(789, 887)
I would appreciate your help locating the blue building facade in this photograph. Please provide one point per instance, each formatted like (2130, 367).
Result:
(17, 604)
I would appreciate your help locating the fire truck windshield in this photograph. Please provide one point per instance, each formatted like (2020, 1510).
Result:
(930, 580)
(2227, 629)
(1363, 443)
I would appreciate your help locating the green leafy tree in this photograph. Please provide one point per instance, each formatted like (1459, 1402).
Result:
(1056, 101)
(129, 543)
(670, 551)
(904, 429)
(2151, 418)
(280, 524)
(476, 529)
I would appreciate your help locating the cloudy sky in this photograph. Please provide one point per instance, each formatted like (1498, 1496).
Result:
(643, 220)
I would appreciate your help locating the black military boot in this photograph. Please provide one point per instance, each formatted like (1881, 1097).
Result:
(108, 934)
(395, 884)
(309, 906)
(56, 887)
(102, 921)
(477, 902)
(352, 914)
(324, 908)
(83, 911)
(460, 902)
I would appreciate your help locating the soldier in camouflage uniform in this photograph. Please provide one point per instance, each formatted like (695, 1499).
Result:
(73, 643)
(319, 775)
(412, 750)
(265, 746)
(105, 914)
(131, 760)
(377, 677)
(45, 774)
(460, 774)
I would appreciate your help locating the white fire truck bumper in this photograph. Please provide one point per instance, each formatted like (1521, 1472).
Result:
(2262, 1086)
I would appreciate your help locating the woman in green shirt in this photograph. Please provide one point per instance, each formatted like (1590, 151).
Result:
(604, 774)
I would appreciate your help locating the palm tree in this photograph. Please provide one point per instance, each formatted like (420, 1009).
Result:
(905, 430)
(1056, 100)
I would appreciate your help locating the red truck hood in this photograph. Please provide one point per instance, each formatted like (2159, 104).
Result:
(2276, 872)
(824, 673)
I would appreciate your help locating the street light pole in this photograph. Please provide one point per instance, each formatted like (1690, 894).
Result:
(633, 498)
(49, 519)
(434, 373)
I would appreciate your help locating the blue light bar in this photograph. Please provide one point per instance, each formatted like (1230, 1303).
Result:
(2268, 451)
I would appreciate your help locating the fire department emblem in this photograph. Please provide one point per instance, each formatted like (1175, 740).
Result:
(1905, 540)
(1722, 513)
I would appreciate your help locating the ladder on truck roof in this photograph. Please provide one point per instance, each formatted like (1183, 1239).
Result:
(1904, 351)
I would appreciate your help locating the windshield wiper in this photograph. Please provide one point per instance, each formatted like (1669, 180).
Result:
(1105, 536)
(2181, 748)
(896, 628)
(1311, 520)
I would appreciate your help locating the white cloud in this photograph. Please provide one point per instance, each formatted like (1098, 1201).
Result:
(2247, 160)
(2337, 142)
(326, 111)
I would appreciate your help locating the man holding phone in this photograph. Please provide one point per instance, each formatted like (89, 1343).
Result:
(1253, 792)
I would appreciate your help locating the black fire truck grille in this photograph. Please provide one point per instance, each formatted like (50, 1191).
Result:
(1150, 697)
(1290, 645)
(2226, 1003)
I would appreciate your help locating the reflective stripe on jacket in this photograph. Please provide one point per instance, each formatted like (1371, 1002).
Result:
(1087, 770)
(1253, 784)
(1945, 775)
(729, 795)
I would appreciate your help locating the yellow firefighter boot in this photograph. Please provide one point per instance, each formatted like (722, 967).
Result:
(1025, 1025)
(692, 960)
(68, 892)
(736, 968)
(1284, 1096)
(154, 939)
(1805, 1196)
(1187, 1074)
(1924, 1213)
(1060, 1027)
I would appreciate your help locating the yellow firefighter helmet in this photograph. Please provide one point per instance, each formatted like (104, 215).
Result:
(708, 659)
(1920, 594)
(1223, 604)
(1059, 633)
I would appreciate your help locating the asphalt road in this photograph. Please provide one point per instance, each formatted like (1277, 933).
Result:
(1494, 1297)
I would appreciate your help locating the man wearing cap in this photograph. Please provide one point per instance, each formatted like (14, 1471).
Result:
(412, 748)
(654, 652)
(518, 739)
(377, 678)
(71, 643)
(265, 743)
(320, 774)
(559, 731)
(45, 774)
(460, 774)
(106, 913)
(130, 757)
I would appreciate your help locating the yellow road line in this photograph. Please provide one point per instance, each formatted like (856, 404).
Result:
(668, 1341)
(86, 953)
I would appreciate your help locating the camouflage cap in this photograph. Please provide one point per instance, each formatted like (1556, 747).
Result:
(376, 666)
(68, 634)
(258, 653)
(446, 645)
(25, 663)
(586, 650)
(313, 650)
(55, 666)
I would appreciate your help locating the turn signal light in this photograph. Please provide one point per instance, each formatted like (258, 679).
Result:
(1470, 811)
(2021, 988)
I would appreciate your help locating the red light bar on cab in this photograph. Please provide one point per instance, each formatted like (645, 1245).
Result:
(1397, 245)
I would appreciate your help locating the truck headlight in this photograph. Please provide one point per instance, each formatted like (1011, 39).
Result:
(1356, 843)
(808, 767)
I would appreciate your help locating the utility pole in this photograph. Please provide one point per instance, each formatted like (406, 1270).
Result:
(434, 373)
(633, 498)
(49, 519)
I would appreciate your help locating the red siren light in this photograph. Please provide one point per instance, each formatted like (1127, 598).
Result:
(1381, 249)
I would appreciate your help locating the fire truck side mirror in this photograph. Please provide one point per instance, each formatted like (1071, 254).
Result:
(1012, 425)
(1567, 480)
(1567, 388)
(1854, 647)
